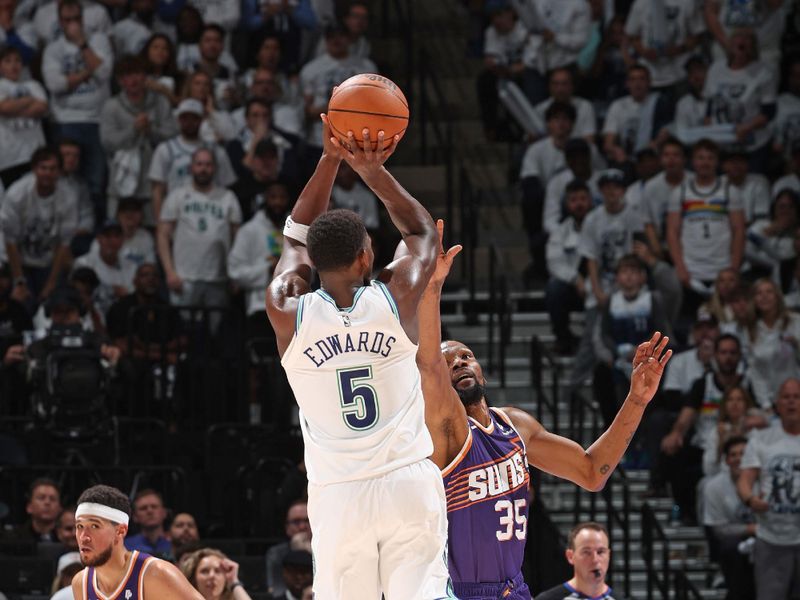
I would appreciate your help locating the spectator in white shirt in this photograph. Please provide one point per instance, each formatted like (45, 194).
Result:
(633, 122)
(23, 104)
(705, 226)
(766, 17)
(195, 231)
(38, 217)
(564, 27)
(251, 260)
(132, 33)
(162, 73)
(753, 187)
(771, 458)
(115, 274)
(691, 109)
(132, 124)
(728, 522)
(77, 68)
(561, 86)
(503, 43)
(741, 93)
(217, 126)
(663, 32)
(319, 76)
(770, 247)
(772, 342)
(223, 78)
(787, 116)
(540, 162)
(566, 288)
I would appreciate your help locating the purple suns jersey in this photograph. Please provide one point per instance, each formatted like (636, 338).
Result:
(131, 587)
(487, 503)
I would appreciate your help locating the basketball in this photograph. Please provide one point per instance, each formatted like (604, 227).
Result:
(370, 101)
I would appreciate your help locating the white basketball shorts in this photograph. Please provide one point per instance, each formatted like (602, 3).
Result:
(382, 535)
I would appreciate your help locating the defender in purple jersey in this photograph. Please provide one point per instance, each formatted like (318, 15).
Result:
(484, 452)
(112, 572)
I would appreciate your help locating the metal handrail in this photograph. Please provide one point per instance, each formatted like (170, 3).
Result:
(468, 217)
(498, 310)
(538, 355)
(651, 531)
(684, 588)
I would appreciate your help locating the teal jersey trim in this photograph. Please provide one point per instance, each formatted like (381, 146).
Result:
(327, 297)
(382, 287)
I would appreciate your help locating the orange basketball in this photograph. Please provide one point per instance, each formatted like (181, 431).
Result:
(370, 101)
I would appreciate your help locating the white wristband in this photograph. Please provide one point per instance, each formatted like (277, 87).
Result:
(296, 231)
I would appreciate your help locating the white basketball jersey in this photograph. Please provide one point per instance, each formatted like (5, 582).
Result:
(354, 375)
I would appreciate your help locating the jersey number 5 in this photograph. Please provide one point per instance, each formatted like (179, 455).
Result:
(359, 400)
(515, 514)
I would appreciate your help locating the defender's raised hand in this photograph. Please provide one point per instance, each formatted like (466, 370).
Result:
(648, 366)
(444, 261)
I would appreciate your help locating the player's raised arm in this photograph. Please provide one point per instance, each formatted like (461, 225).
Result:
(292, 274)
(407, 276)
(445, 415)
(591, 468)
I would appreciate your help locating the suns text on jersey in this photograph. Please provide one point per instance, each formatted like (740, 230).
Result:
(370, 342)
(498, 478)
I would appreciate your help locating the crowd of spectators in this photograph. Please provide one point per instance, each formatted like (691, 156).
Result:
(657, 169)
(150, 152)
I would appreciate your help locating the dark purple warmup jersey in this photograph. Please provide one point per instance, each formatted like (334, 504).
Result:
(487, 504)
(131, 586)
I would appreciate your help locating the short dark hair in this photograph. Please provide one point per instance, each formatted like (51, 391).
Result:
(147, 492)
(107, 496)
(68, 141)
(128, 65)
(335, 239)
(86, 276)
(646, 153)
(45, 153)
(42, 481)
(213, 27)
(593, 525)
(731, 442)
(577, 185)
(10, 51)
(673, 141)
(729, 337)
(631, 261)
(67, 3)
(705, 144)
(639, 67)
(260, 102)
(560, 109)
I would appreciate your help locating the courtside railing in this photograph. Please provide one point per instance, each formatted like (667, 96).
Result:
(658, 571)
